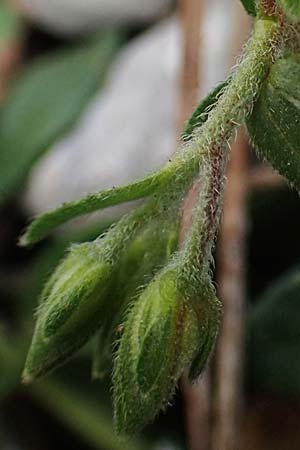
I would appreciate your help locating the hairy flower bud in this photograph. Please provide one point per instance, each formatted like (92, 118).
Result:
(146, 254)
(71, 306)
(163, 333)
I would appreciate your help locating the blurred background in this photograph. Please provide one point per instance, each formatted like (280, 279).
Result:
(94, 94)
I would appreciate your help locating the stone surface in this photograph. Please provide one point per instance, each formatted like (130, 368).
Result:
(77, 16)
(128, 129)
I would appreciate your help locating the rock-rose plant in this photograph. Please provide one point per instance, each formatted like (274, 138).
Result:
(153, 304)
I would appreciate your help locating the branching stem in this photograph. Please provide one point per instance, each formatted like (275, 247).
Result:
(210, 146)
(177, 176)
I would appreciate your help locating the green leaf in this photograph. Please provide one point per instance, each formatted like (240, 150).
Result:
(41, 226)
(274, 123)
(200, 114)
(45, 102)
(274, 337)
(291, 8)
(249, 6)
(11, 25)
(11, 362)
(82, 415)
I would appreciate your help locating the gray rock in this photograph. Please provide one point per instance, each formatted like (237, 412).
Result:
(76, 16)
(128, 130)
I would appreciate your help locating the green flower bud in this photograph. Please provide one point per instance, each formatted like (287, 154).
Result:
(71, 307)
(274, 125)
(162, 335)
(148, 252)
(291, 8)
(77, 297)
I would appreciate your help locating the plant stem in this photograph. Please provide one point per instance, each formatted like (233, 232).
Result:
(177, 176)
(210, 146)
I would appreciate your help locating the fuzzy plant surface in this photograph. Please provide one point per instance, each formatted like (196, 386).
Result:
(152, 303)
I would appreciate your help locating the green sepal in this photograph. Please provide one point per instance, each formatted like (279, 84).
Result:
(209, 310)
(102, 358)
(249, 6)
(162, 334)
(274, 124)
(148, 252)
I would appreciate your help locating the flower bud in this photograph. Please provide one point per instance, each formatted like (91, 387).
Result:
(162, 335)
(148, 252)
(72, 304)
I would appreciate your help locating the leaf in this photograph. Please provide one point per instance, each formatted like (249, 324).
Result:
(46, 101)
(274, 123)
(81, 414)
(11, 363)
(249, 6)
(199, 116)
(43, 224)
(40, 227)
(291, 8)
(10, 25)
(274, 337)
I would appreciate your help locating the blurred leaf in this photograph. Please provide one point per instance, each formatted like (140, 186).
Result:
(10, 25)
(46, 101)
(12, 356)
(274, 337)
(83, 415)
(274, 123)
(291, 8)
(249, 6)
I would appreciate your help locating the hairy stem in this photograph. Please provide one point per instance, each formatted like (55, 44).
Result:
(177, 176)
(93, 202)
(211, 148)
